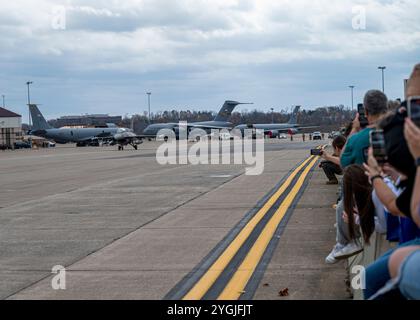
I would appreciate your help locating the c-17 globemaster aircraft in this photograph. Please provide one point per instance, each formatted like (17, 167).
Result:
(82, 136)
(274, 129)
(219, 122)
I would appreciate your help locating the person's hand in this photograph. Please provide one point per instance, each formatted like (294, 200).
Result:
(345, 217)
(413, 83)
(323, 154)
(372, 167)
(356, 124)
(356, 218)
(372, 160)
(412, 136)
(393, 173)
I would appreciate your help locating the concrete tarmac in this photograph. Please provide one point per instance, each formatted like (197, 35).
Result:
(124, 226)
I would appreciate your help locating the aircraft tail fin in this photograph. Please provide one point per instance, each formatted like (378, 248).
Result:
(226, 110)
(38, 120)
(293, 118)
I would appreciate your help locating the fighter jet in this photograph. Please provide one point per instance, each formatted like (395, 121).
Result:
(82, 136)
(275, 129)
(219, 122)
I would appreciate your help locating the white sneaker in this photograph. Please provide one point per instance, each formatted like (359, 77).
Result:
(349, 250)
(330, 259)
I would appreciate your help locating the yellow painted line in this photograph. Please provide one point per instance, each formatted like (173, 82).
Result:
(208, 279)
(237, 283)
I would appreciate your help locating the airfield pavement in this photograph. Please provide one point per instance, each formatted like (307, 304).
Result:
(125, 227)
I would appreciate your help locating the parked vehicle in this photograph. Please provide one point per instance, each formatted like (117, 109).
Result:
(22, 145)
(282, 136)
(316, 135)
(4, 147)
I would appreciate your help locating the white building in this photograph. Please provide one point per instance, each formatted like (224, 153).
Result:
(10, 127)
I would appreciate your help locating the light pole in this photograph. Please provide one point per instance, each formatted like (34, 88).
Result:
(29, 101)
(383, 77)
(148, 98)
(29, 109)
(352, 88)
(272, 115)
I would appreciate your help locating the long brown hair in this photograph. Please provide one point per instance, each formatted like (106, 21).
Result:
(358, 193)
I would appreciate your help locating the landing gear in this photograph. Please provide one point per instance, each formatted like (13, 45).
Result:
(120, 148)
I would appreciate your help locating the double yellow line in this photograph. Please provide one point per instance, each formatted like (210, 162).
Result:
(236, 285)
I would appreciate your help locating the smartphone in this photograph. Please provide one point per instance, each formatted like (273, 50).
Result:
(413, 109)
(316, 152)
(377, 141)
(362, 116)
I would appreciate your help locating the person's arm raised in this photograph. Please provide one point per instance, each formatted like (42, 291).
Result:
(412, 136)
(384, 193)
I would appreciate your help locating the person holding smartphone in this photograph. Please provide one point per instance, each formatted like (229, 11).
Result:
(403, 150)
(412, 135)
(404, 262)
(331, 162)
(376, 106)
(354, 152)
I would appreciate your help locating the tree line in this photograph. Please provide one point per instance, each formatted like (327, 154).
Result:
(327, 118)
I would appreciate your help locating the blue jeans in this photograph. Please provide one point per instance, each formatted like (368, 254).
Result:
(409, 281)
(377, 274)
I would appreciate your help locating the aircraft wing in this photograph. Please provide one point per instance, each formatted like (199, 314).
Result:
(109, 136)
(105, 135)
(145, 136)
(288, 129)
(206, 126)
(132, 137)
(309, 127)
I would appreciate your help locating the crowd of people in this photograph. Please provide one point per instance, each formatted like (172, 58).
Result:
(380, 191)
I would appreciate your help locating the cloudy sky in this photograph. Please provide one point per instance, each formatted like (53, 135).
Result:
(103, 56)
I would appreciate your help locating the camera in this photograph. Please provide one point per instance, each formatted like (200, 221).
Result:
(413, 109)
(316, 152)
(362, 116)
(377, 141)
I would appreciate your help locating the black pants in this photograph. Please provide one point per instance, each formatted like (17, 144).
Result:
(331, 169)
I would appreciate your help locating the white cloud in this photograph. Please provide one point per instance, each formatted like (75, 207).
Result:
(199, 30)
